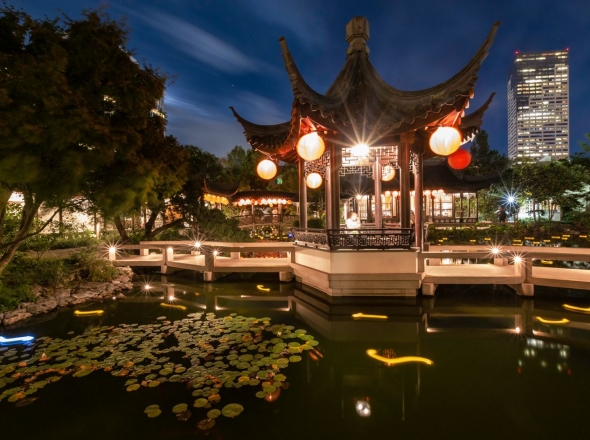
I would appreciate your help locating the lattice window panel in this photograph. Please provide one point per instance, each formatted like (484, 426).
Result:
(318, 165)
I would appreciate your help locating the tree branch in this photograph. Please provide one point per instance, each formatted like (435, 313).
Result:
(31, 234)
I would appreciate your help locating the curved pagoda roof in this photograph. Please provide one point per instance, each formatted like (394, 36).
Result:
(359, 100)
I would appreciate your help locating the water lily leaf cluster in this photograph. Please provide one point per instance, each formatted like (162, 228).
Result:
(205, 353)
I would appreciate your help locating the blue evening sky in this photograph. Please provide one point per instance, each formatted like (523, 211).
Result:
(226, 52)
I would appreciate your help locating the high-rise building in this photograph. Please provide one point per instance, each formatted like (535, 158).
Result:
(538, 105)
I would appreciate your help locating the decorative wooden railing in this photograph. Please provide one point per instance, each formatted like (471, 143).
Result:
(357, 239)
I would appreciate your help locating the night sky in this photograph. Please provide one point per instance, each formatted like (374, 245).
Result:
(223, 52)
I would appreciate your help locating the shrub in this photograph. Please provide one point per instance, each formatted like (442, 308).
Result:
(314, 222)
(11, 297)
(47, 272)
(89, 265)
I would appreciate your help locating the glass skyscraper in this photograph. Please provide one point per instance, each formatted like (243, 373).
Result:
(538, 105)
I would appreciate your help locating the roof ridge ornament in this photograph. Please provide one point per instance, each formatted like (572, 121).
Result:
(357, 34)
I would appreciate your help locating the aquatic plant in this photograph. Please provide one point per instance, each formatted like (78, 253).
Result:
(207, 354)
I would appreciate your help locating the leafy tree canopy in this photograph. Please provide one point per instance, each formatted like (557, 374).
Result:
(72, 101)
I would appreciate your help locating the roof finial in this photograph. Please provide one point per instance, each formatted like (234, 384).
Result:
(357, 34)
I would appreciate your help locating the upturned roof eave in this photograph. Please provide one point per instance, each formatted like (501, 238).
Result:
(414, 103)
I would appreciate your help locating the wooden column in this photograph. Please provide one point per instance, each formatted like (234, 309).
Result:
(334, 177)
(404, 179)
(418, 205)
(328, 197)
(377, 171)
(302, 195)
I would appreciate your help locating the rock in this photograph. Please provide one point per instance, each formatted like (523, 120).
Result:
(15, 316)
(42, 306)
(37, 290)
(115, 282)
(89, 294)
(62, 293)
(120, 296)
(1, 318)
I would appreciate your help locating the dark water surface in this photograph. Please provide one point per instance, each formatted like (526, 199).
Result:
(488, 381)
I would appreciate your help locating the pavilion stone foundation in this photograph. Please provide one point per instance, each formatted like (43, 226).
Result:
(359, 273)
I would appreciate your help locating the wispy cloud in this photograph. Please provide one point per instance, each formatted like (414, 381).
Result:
(299, 17)
(196, 42)
(266, 111)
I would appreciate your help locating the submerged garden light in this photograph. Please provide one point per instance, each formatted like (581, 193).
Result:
(88, 313)
(401, 360)
(363, 408)
(552, 321)
(17, 340)
(576, 309)
(363, 316)
(262, 288)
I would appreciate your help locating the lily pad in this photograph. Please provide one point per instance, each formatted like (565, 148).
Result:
(206, 424)
(201, 402)
(82, 373)
(151, 408)
(179, 408)
(261, 394)
(133, 387)
(232, 410)
(213, 414)
(295, 358)
(155, 413)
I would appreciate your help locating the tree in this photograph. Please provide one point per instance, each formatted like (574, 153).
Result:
(240, 166)
(72, 99)
(484, 160)
(554, 184)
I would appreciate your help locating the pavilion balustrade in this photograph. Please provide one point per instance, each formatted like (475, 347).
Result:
(358, 239)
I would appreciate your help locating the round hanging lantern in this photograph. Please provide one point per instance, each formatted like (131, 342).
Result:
(310, 146)
(388, 173)
(460, 159)
(314, 180)
(445, 141)
(266, 169)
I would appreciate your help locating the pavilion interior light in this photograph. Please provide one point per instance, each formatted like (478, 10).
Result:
(388, 173)
(314, 180)
(215, 199)
(360, 150)
(266, 169)
(310, 146)
(445, 141)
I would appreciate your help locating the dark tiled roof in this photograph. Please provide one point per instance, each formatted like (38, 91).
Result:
(220, 189)
(360, 100)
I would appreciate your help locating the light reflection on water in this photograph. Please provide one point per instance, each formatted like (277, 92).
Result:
(487, 381)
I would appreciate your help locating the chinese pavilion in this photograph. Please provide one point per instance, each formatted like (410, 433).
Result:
(362, 125)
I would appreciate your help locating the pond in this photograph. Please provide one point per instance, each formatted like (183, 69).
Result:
(482, 363)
